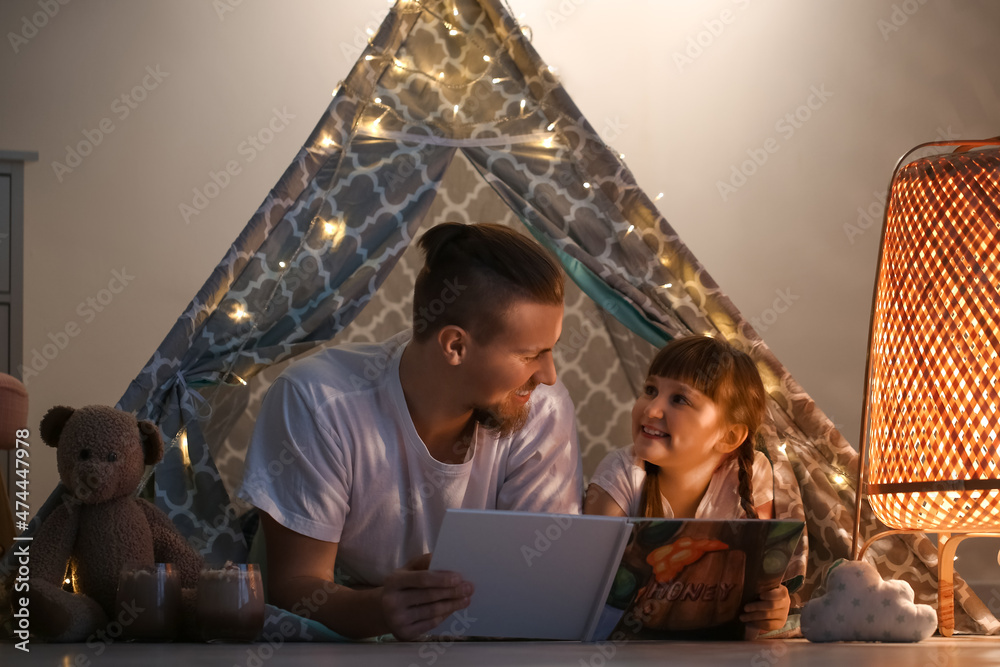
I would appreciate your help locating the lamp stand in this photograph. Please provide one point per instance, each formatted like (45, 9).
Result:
(947, 545)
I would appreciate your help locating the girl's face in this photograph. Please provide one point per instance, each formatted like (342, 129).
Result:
(677, 427)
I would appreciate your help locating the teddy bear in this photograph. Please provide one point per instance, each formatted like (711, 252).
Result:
(100, 525)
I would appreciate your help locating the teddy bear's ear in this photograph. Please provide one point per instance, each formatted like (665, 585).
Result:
(152, 444)
(53, 422)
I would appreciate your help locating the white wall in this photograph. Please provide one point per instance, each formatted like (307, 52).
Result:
(892, 73)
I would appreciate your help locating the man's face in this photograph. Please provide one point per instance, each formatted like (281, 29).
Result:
(503, 372)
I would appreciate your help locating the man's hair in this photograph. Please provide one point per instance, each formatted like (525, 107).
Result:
(474, 274)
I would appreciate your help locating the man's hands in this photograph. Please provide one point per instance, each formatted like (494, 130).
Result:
(416, 600)
(770, 612)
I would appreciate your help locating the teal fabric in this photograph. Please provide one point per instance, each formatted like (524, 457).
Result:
(601, 293)
(294, 628)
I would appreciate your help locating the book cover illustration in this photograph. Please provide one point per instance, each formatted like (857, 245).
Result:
(691, 579)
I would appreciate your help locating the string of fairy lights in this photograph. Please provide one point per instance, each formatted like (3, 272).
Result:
(333, 232)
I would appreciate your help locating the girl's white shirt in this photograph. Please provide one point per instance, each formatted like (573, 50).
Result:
(621, 475)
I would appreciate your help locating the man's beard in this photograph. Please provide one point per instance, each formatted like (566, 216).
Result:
(506, 417)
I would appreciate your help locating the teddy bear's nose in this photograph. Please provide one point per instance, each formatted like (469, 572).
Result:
(84, 454)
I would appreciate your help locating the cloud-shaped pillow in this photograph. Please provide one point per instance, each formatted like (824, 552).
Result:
(859, 606)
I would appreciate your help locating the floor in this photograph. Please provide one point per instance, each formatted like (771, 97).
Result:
(934, 652)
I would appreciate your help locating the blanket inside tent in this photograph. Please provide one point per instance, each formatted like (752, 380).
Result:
(450, 114)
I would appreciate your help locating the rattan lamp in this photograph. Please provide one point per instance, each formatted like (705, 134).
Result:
(931, 416)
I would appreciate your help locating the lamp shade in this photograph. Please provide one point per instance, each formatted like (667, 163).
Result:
(933, 394)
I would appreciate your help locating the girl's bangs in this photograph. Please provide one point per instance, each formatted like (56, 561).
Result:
(698, 361)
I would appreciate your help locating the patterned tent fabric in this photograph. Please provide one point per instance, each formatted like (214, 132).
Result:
(450, 114)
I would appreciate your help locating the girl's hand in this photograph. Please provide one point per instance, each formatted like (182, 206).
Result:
(770, 612)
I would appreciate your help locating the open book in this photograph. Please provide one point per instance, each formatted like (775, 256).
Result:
(594, 578)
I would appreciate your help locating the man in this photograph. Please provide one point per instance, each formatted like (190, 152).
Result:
(384, 438)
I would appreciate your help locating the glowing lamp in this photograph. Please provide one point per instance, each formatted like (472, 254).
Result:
(930, 423)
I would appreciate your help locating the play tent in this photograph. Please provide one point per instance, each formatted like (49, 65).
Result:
(450, 114)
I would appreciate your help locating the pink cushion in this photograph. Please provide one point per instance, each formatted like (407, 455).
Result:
(13, 409)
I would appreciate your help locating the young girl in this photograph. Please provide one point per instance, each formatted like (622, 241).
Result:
(693, 429)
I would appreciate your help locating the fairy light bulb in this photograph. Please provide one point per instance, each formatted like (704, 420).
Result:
(327, 142)
(239, 313)
(523, 102)
(839, 480)
(547, 143)
(452, 32)
(486, 58)
(586, 185)
(369, 57)
(182, 444)
(378, 100)
(551, 126)
(282, 265)
(667, 285)
(496, 79)
(630, 229)
(658, 197)
(334, 230)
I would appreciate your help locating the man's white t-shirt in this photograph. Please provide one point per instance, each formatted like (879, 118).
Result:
(335, 456)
